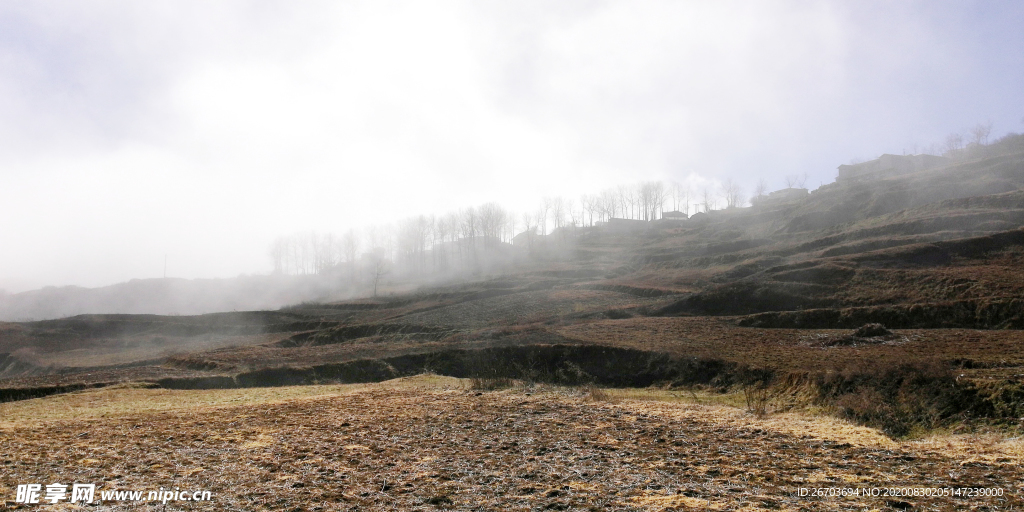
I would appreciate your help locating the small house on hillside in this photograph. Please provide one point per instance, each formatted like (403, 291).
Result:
(674, 215)
(888, 165)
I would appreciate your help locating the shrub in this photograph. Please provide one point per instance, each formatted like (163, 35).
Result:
(490, 383)
(759, 390)
(897, 397)
(871, 330)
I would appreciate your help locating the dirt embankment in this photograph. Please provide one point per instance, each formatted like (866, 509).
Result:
(343, 333)
(996, 313)
(560, 364)
(893, 397)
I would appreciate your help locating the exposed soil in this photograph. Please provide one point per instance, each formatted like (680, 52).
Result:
(416, 449)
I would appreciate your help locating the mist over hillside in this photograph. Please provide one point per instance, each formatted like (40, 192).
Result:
(891, 298)
(627, 236)
(170, 296)
(465, 255)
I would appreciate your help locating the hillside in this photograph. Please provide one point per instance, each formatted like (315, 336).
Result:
(779, 287)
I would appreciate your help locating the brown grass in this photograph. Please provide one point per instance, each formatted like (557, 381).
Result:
(800, 349)
(429, 443)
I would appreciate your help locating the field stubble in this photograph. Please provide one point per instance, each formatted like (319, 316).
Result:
(433, 443)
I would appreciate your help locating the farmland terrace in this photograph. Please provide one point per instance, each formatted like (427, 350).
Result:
(770, 296)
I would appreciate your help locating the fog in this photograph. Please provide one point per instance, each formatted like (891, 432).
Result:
(196, 134)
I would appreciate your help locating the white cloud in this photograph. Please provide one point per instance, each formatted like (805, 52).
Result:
(204, 130)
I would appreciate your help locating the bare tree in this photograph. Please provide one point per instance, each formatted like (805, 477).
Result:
(492, 219)
(651, 199)
(378, 269)
(589, 204)
(327, 252)
(575, 216)
(732, 193)
(609, 203)
(633, 196)
(675, 192)
(469, 229)
(558, 211)
(707, 200)
(760, 190)
(449, 225)
(530, 230)
(796, 180)
(644, 197)
(954, 145)
(510, 227)
(980, 133)
(413, 236)
(349, 245)
(278, 254)
(304, 253)
(542, 214)
(622, 199)
(660, 194)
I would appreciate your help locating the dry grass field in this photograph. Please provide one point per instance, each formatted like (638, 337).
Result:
(527, 307)
(992, 351)
(433, 443)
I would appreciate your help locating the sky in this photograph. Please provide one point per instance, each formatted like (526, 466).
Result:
(197, 132)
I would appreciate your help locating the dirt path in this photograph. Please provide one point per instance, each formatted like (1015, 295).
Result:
(408, 449)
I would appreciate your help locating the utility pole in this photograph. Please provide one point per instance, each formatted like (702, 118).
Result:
(165, 266)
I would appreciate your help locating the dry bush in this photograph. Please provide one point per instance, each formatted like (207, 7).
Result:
(618, 314)
(899, 398)
(596, 394)
(759, 390)
(871, 330)
(758, 399)
(490, 383)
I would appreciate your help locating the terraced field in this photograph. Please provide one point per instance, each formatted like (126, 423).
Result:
(897, 304)
(528, 307)
(807, 349)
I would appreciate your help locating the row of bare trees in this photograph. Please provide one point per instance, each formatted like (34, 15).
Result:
(307, 253)
(973, 142)
(643, 201)
(440, 241)
(470, 237)
(967, 143)
(958, 144)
